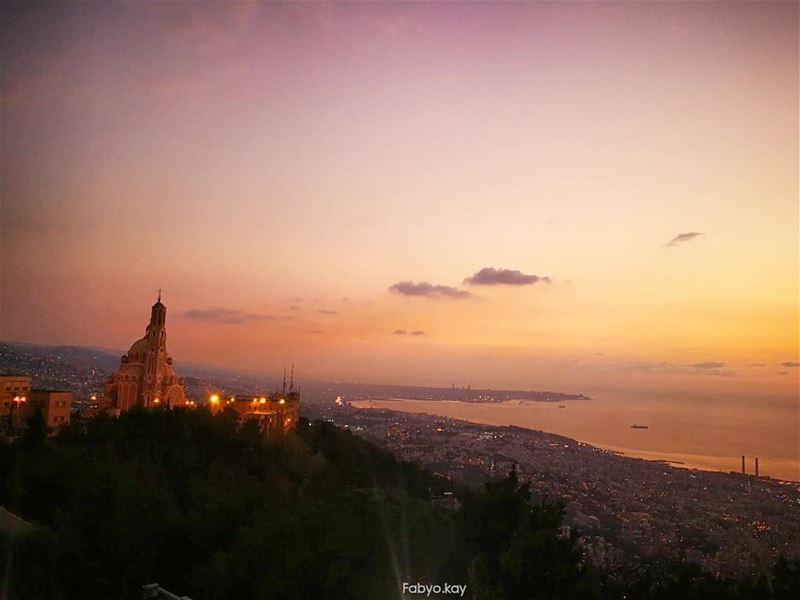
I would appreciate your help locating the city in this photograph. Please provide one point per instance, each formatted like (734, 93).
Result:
(392, 300)
(627, 510)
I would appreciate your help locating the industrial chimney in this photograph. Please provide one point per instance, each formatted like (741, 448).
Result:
(756, 467)
(743, 470)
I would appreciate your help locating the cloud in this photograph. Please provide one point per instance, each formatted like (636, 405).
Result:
(648, 367)
(399, 332)
(418, 332)
(428, 290)
(294, 307)
(725, 373)
(492, 276)
(790, 364)
(664, 368)
(227, 316)
(328, 312)
(757, 365)
(684, 237)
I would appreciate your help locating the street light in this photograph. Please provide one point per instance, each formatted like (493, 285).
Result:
(16, 402)
(214, 398)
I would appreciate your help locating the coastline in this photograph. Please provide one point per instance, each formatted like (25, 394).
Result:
(777, 468)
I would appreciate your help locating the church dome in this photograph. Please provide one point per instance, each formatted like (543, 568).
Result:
(139, 345)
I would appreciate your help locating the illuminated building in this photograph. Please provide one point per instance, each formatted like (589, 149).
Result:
(145, 376)
(273, 413)
(14, 391)
(20, 402)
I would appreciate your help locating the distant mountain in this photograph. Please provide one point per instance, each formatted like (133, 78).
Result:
(84, 370)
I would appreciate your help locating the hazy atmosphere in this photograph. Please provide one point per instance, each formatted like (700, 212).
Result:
(434, 299)
(533, 195)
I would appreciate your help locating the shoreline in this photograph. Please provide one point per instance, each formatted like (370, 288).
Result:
(677, 460)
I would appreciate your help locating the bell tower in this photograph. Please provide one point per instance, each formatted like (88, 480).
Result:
(158, 314)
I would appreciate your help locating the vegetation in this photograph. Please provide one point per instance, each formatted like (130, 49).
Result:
(213, 511)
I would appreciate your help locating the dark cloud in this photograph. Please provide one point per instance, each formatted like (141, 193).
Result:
(294, 307)
(418, 332)
(428, 290)
(399, 332)
(328, 312)
(757, 365)
(224, 315)
(790, 364)
(492, 276)
(708, 365)
(684, 237)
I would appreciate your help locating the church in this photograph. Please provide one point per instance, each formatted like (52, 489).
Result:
(145, 376)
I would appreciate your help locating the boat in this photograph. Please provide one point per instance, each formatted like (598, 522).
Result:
(640, 426)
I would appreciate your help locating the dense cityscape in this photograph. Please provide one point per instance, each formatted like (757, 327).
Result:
(466, 299)
(627, 510)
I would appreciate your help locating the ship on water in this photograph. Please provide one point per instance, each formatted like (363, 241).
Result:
(640, 426)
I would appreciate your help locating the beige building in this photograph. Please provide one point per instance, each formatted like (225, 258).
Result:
(56, 406)
(14, 392)
(145, 376)
(20, 402)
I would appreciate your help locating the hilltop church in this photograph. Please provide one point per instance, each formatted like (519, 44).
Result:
(145, 376)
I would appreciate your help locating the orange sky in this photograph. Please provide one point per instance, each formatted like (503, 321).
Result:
(278, 168)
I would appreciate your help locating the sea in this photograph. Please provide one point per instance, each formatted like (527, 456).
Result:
(691, 431)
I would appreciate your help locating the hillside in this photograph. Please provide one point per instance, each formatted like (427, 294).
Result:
(212, 511)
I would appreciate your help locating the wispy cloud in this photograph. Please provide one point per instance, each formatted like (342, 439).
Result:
(492, 276)
(708, 365)
(227, 316)
(328, 312)
(406, 332)
(790, 364)
(713, 368)
(684, 237)
(428, 290)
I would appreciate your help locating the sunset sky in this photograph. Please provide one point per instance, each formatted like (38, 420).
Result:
(564, 196)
